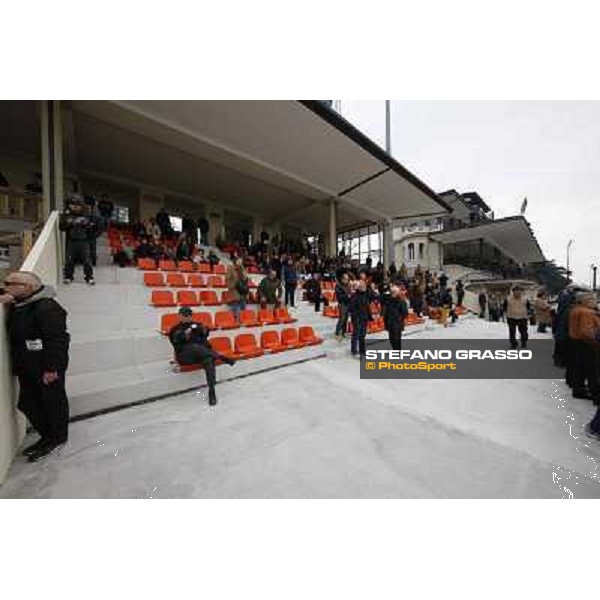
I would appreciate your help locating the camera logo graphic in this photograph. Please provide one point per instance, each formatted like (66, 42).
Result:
(370, 366)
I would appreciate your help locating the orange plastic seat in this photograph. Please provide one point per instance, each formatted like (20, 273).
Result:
(227, 297)
(308, 337)
(162, 298)
(204, 268)
(222, 345)
(252, 297)
(186, 266)
(216, 281)
(146, 264)
(187, 298)
(283, 316)
(248, 318)
(167, 265)
(167, 322)
(196, 281)
(220, 269)
(204, 318)
(270, 342)
(246, 346)
(154, 279)
(224, 319)
(176, 280)
(289, 338)
(209, 298)
(266, 316)
(329, 295)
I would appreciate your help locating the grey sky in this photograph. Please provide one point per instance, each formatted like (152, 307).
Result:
(547, 151)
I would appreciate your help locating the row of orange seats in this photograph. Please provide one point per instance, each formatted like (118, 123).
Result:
(245, 345)
(191, 280)
(184, 266)
(166, 298)
(224, 319)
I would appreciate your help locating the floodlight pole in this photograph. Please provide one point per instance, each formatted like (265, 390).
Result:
(568, 253)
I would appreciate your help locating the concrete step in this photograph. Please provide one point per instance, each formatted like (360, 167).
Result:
(90, 392)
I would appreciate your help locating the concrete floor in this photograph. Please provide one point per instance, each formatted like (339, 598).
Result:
(316, 430)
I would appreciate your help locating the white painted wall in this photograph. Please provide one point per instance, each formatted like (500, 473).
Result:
(45, 260)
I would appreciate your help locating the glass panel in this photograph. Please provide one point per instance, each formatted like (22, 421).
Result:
(374, 241)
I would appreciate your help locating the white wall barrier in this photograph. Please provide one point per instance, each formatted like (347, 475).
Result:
(45, 259)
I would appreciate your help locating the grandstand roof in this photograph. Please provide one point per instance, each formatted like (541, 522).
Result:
(281, 160)
(512, 236)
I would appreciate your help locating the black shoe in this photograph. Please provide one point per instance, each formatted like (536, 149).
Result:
(47, 449)
(212, 397)
(33, 448)
(229, 361)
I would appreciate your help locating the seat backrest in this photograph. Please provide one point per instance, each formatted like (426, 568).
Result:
(187, 297)
(176, 280)
(289, 335)
(220, 269)
(162, 297)
(220, 344)
(204, 318)
(245, 341)
(167, 265)
(146, 264)
(154, 279)
(227, 297)
(265, 314)
(168, 321)
(224, 317)
(247, 315)
(204, 268)
(186, 265)
(306, 332)
(269, 337)
(216, 281)
(282, 313)
(196, 281)
(208, 296)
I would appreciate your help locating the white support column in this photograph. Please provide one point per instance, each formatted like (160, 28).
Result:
(45, 140)
(388, 245)
(332, 237)
(58, 155)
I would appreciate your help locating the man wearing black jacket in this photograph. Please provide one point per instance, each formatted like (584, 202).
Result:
(395, 312)
(342, 294)
(39, 346)
(190, 341)
(79, 229)
(359, 309)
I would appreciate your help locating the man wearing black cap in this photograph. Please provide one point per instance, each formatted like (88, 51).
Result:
(190, 341)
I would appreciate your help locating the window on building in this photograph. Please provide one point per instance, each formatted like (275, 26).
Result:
(411, 251)
(421, 249)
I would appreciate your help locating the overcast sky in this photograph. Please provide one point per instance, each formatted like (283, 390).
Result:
(547, 151)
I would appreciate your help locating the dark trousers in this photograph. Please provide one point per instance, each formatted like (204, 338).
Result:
(521, 324)
(93, 253)
(482, 310)
(395, 335)
(290, 289)
(542, 327)
(342, 322)
(198, 354)
(459, 299)
(318, 303)
(359, 333)
(417, 306)
(45, 406)
(559, 356)
(579, 365)
(78, 251)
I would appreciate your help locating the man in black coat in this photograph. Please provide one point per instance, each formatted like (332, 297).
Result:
(39, 346)
(79, 228)
(359, 309)
(190, 342)
(395, 312)
(203, 227)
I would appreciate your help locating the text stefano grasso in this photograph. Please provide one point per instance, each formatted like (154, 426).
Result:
(498, 354)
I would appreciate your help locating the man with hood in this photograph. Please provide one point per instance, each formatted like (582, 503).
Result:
(39, 347)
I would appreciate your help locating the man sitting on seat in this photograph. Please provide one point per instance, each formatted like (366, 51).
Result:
(190, 341)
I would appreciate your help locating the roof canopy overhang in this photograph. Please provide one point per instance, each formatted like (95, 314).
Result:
(280, 160)
(512, 236)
